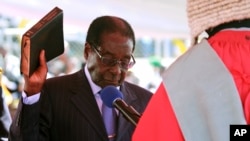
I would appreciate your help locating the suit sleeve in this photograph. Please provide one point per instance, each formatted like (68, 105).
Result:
(25, 125)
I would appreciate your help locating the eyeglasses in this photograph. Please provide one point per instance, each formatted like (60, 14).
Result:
(124, 64)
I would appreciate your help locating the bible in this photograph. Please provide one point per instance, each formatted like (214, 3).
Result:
(46, 34)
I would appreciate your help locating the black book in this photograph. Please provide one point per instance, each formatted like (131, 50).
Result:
(46, 34)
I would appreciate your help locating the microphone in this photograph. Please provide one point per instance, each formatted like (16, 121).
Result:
(113, 98)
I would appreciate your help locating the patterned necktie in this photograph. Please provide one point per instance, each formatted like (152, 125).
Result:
(109, 118)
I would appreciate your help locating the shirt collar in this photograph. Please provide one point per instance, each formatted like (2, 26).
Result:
(95, 88)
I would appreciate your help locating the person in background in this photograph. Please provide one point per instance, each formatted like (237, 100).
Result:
(207, 89)
(5, 117)
(68, 107)
(157, 68)
(10, 64)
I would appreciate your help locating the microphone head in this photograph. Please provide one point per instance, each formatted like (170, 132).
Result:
(109, 94)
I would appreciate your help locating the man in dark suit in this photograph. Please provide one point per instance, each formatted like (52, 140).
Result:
(67, 108)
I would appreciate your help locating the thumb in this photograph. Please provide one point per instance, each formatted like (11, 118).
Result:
(42, 58)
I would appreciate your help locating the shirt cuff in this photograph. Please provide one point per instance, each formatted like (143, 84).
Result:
(31, 99)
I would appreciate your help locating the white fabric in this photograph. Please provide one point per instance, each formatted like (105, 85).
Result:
(31, 99)
(203, 95)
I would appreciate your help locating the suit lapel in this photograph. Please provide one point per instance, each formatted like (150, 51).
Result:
(85, 102)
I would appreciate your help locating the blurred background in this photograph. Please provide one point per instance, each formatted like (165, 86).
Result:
(160, 26)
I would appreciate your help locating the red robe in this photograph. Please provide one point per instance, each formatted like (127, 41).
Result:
(160, 121)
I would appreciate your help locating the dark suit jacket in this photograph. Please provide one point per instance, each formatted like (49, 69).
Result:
(69, 112)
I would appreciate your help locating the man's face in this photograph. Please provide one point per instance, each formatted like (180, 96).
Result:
(114, 46)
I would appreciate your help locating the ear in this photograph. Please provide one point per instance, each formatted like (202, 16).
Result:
(87, 50)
